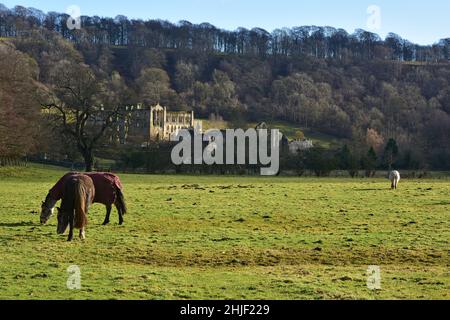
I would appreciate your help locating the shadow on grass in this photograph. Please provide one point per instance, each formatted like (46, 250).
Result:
(442, 203)
(373, 189)
(17, 224)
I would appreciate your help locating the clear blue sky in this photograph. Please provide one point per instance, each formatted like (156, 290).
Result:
(423, 22)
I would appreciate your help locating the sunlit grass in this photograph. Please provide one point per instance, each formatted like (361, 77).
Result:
(189, 237)
(288, 129)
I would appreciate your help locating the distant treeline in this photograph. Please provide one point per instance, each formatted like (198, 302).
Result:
(365, 91)
(318, 161)
(315, 41)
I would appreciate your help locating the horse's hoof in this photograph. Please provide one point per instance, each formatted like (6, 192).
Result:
(105, 223)
(120, 223)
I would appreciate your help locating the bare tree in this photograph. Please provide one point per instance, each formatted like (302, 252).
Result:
(84, 108)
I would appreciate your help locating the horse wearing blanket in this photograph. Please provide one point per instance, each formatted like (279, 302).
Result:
(108, 191)
(78, 197)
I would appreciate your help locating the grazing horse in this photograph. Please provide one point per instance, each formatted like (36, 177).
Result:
(79, 194)
(108, 192)
(394, 176)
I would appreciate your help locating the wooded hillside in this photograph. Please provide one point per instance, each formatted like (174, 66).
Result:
(356, 86)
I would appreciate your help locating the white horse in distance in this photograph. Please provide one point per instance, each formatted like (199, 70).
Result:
(394, 176)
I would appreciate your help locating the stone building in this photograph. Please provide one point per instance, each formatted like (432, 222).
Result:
(142, 125)
(300, 145)
(164, 123)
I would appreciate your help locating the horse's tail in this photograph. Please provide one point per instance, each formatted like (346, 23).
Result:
(80, 220)
(120, 200)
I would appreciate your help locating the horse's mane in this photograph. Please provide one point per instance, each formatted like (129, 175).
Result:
(80, 220)
(79, 195)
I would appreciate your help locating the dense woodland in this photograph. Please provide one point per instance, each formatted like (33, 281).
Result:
(388, 100)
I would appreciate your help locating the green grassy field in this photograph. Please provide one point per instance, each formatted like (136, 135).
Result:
(189, 237)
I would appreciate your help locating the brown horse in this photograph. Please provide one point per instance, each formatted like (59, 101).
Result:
(108, 192)
(78, 196)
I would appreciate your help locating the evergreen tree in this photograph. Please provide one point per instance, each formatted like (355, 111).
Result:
(369, 162)
(390, 153)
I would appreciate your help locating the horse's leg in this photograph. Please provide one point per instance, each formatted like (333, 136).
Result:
(71, 223)
(108, 215)
(83, 234)
(119, 211)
